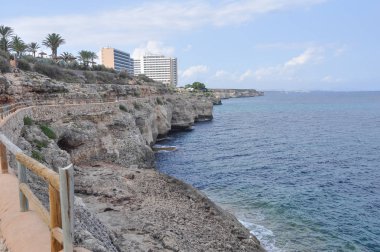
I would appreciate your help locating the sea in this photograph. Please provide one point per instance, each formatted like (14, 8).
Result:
(301, 170)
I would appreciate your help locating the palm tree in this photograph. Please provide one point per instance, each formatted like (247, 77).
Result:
(6, 32)
(18, 45)
(67, 57)
(33, 47)
(85, 57)
(93, 57)
(53, 41)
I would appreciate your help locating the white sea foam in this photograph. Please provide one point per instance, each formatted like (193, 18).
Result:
(265, 236)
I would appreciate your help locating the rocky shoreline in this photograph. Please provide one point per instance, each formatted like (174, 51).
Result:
(236, 93)
(122, 203)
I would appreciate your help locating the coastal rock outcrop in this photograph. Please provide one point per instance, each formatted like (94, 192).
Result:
(119, 206)
(235, 93)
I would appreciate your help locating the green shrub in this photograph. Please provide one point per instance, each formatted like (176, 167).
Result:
(90, 77)
(137, 93)
(28, 121)
(137, 105)
(48, 131)
(145, 78)
(5, 67)
(37, 156)
(159, 101)
(30, 59)
(69, 76)
(51, 71)
(123, 75)
(103, 69)
(105, 77)
(40, 144)
(123, 108)
(23, 65)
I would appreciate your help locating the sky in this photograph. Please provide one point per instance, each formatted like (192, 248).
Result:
(262, 44)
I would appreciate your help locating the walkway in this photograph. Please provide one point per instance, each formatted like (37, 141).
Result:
(23, 231)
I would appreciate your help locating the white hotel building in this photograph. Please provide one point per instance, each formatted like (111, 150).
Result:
(158, 68)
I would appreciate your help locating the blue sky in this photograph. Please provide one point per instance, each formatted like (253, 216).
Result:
(262, 44)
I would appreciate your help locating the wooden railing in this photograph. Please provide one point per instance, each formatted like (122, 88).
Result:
(61, 194)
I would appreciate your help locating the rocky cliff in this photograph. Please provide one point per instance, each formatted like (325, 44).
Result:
(120, 206)
(236, 93)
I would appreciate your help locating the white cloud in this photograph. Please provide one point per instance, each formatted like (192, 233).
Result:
(245, 75)
(148, 21)
(311, 54)
(194, 71)
(152, 47)
(287, 70)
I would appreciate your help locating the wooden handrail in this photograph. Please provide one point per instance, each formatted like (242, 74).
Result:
(60, 220)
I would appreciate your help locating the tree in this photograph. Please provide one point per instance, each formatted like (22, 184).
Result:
(33, 47)
(67, 57)
(85, 57)
(6, 33)
(197, 86)
(93, 57)
(18, 45)
(53, 41)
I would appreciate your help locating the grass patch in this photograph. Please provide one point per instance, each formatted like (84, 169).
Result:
(28, 121)
(40, 144)
(48, 131)
(37, 156)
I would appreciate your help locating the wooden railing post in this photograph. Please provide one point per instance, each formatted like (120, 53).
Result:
(55, 217)
(4, 159)
(66, 180)
(24, 204)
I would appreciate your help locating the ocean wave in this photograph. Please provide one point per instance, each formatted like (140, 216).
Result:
(265, 236)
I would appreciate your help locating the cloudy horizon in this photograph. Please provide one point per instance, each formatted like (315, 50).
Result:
(262, 44)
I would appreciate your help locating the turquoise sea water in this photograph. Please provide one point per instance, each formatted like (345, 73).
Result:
(300, 170)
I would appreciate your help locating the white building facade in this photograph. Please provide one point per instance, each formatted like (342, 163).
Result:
(158, 68)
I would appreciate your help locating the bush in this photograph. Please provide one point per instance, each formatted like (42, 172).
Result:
(159, 101)
(40, 144)
(37, 156)
(145, 78)
(104, 77)
(48, 131)
(103, 69)
(90, 77)
(137, 93)
(70, 76)
(23, 65)
(29, 59)
(123, 75)
(123, 108)
(28, 121)
(4, 65)
(137, 105)
(51, 71)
